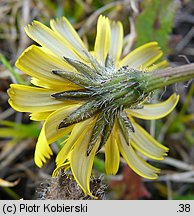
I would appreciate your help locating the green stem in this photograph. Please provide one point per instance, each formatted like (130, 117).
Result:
(10, 68)
(11, 193)
(169, 76)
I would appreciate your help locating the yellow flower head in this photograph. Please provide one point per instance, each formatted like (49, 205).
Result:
(92, 96)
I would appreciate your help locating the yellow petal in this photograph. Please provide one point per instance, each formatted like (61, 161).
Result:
(50, 133)
(32, 99)
(112, 155)
(50, 40)
(64, 166)
(146, 144)
(73, 138)
(63, 27)
(37, 62)
(116, 41)
(155, 111)
(102, 42)
(39, 116)
(160, 65)
(136, 163)
(142, 56)
(43, 150)
(66, 86)
(81, 164)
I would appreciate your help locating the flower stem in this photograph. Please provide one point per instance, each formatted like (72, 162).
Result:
(168, 76)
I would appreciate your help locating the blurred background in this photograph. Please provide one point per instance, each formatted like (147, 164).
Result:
(171, 24)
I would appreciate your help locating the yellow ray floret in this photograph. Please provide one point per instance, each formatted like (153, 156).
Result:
(155, 111)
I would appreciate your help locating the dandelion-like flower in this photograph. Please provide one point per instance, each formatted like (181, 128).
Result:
(92, 96)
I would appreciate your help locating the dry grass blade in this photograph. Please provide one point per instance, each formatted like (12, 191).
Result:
(4, 183)
(91, 21)
(178, 164)
(15, 153)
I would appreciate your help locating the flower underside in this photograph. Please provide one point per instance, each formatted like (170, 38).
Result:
(105, 93)
(93, 96)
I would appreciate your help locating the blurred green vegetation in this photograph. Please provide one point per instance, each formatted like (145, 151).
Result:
(155, 23)
(19, 131)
